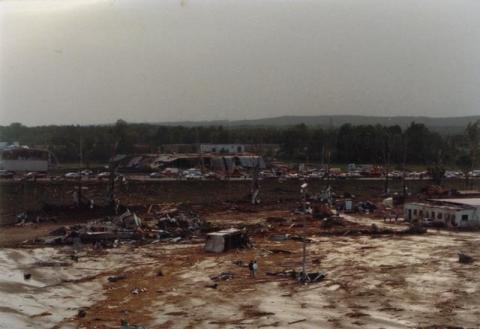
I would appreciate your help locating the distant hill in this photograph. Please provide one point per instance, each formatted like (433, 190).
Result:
(445, 124)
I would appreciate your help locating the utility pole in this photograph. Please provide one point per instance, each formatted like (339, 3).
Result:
(404, 183)
(113, 172)
(81, 152)
(386, 161)
(255, 187)
(303, 191)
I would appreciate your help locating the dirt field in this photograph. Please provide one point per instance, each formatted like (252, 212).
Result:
(384, 281)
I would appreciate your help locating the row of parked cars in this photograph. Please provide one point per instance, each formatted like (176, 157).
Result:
(196, 174)
(68, 175)
(188, 174)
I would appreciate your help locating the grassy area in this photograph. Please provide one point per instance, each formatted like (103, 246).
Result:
(73, 166)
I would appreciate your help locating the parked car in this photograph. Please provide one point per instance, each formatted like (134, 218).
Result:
(156, 175)
(192, 174)
(72, 175)
(103, 174)
(35, 175)
(395, 174)
(6, 174)
(171, 172)
(86, 172)
(211, 175)
(353, 174)
(475, 173)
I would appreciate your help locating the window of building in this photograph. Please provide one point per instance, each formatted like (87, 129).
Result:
(421, 213)
(415, 212)
(433, 215)
(464, 217)
(439, 216)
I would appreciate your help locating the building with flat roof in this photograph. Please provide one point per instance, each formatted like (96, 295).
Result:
(222, 148)
(25, 159)
(451, 212)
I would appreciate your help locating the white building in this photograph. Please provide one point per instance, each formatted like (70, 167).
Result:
(24, 159)
(452, 212)
(222, 148)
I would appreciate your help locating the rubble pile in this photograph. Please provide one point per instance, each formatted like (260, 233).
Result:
(435, 190)
(332, 221)
(180, 222)
(338, 230)
(175, 223)
(309, 277)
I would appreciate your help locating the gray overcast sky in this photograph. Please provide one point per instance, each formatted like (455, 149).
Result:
(94, 61)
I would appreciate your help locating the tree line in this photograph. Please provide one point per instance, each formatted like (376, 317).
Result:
(415, 144)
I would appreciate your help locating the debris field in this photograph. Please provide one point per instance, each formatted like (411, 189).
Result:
(149, 266)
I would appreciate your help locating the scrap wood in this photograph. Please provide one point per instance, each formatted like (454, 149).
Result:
(279, 251)
(464, 258)
(297, 321)
(224, 276)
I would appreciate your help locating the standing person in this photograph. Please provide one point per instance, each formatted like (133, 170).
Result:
(253, 267)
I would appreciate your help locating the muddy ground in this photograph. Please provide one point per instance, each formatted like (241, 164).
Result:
(17, 197)
(373, 281)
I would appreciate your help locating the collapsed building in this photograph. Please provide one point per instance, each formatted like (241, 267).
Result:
(449, 212)
(168, 223)
(225, 164)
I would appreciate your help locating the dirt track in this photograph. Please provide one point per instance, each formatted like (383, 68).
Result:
(383, 282)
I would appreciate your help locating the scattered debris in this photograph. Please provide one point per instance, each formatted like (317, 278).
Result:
(366, 207)
(173, 225)
(27, 276)
(40, 315)
(224, 276)
(116, 278)
(137, 291)
(332, 221)
(464, 258)
(297, 321)
(279, 237)
(284, 237)
(124, 325)
(82, 313)
(285, 274)
(239, 263)
(322, 211)
(280, 251)
(52, 264)
(311, 277)
(415, 228)
(213, 286)
(276, 220)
